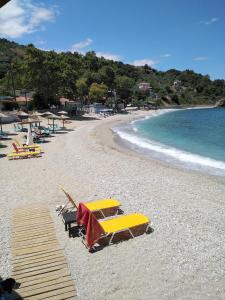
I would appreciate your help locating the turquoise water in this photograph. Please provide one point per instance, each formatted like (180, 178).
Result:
(193, 138)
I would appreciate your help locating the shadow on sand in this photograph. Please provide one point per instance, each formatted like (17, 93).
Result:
(82, 118)
(75, 232)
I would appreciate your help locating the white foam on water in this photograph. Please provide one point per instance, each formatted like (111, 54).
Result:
(154, 114)
(170, 152)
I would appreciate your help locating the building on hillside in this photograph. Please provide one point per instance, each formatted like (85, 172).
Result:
(144, 86)
(23, 101)
(95, 108)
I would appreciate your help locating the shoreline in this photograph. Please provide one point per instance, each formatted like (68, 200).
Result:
(108, 137)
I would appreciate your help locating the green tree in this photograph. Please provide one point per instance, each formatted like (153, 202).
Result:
(124, 87)
(107, 76)
(97, 91)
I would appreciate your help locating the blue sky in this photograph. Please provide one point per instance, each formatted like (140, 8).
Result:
(180, 34)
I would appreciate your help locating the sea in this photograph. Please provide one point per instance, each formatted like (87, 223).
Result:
(187, 138)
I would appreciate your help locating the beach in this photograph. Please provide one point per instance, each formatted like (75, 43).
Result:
(183, 258)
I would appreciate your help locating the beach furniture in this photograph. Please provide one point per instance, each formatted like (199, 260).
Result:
(100, 208)
(19, 145)
(25, 154)
(107, 232)
(19, 128)
(25, 148)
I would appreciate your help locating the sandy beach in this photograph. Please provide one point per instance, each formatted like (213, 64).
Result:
(182, 259)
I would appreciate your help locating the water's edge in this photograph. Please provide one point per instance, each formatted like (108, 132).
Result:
(129, 138)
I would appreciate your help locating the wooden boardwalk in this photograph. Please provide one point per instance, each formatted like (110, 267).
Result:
(37, 258)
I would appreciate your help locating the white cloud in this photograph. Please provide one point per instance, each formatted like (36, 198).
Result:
(166, 55)
(81, 45)
(110, 56)
(210, 21)
(145, 61)
(22, 17)
(200, 58)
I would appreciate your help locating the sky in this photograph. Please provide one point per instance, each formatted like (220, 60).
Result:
(165, 34)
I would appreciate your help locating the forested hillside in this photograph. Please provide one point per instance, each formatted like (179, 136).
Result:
(90, 78)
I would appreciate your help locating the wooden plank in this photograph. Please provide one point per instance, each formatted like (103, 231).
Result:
(35, 242)
(37, 258)
(34, 257)
(21, 239)
(36, 286)
(40, 279)
(38, 263)
(33, 233)
(38, 272)
(45, 289)
(37, 268)
(21, 245)
(24, 227)
(34, 249)
(30, 216)
(63, 292)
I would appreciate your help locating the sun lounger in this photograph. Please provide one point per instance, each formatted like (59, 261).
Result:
(106, 232)
(25, 149)
(19, 145)
(27, 154)
(100, 208)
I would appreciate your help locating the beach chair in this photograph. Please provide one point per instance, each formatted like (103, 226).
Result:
(25, 154)
(20, 146)
(25, 149)
(113, 230)
(100, 208)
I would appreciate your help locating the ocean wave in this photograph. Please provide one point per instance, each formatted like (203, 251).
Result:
(169, 153)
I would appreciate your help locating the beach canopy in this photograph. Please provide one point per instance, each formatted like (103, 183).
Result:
(53, 117)
(36, 114)
(63, 112)
(63, 118)
(29, 121)
(2, 116)
(22, 114)
(47, 113)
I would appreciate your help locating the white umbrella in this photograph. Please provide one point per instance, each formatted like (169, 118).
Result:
(47, 113)
(63, 112)
(29, 137)
(36, 114)
(22, 114)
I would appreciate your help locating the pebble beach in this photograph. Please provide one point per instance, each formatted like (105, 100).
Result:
(183, 258)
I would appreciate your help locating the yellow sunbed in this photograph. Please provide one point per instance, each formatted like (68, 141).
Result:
(123, 222)
(23, 155)
(123, 227)
(103, 206)
(25, 147)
